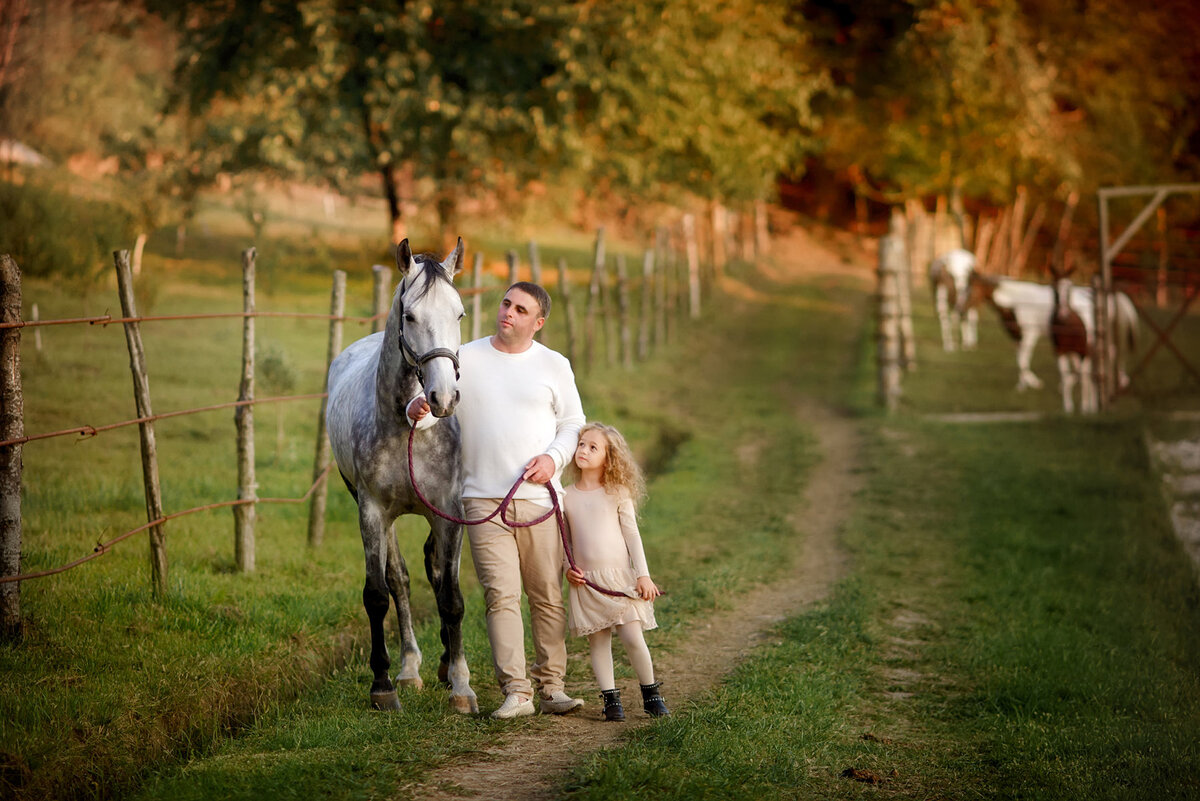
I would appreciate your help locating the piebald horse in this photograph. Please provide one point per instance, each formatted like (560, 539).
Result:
(949, 280)
(1025, 309)
(1073, 332)
(370, 383)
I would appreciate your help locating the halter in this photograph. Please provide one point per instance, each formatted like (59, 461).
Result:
(419, 362)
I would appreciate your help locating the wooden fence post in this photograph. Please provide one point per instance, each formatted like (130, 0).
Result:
(1160, 292)
(660, 287)
(897, 227)
(693, 265)
(589, 332)
(564, 287)
(535, 263)
(623, 313)
(512, 267)
(476, 298)
(381, 296)
(149, 447)
(37, 331)
(891, 257)
(243, 418)
(12, 426)
(645, 323)
(316, 511)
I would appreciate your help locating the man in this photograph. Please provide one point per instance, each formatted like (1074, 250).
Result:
(520, 415)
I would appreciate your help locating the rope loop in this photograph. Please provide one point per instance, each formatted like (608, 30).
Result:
(502, 509)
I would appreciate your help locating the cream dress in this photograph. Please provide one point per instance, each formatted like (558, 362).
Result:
(607, 546)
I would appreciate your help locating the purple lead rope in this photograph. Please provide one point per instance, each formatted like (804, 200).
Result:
(502, 510)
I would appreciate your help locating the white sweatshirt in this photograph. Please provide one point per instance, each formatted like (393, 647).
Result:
(514, 407)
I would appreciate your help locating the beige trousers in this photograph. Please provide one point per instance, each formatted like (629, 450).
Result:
(505, 559)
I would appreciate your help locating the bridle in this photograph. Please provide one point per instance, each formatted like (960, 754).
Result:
(419, 361)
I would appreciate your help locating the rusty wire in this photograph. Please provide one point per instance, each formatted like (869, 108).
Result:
(88, 432)
(108, 319)
(104, 547)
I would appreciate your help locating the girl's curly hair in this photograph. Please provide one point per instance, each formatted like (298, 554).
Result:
(620, 468)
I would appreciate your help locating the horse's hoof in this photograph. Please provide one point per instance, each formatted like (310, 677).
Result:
(464, 704)
(414, 683)
(385, 702)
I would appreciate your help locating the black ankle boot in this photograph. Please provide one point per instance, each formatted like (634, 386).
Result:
(612, 705)
(652, 700)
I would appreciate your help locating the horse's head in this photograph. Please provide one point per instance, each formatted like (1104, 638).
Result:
(428, 310)
(1062, 286)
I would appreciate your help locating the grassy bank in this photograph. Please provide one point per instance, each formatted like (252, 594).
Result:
(1020, 623)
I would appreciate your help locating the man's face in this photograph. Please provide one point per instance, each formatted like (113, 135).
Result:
(519, 318)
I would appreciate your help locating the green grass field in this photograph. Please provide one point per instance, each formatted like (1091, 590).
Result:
(1018, 622)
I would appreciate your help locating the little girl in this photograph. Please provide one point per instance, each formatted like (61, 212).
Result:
(603, 532)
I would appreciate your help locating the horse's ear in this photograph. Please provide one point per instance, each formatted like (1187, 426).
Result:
(453, 262)
(403, 257)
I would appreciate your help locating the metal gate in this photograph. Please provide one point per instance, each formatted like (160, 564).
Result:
(1110, 276)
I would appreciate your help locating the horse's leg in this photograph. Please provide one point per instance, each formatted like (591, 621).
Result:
(398, 585)
(970, 329)
(1025, 377)
(375, 601)
(1087, 392)
(942, 304)
(1066, 375)
(442, 551)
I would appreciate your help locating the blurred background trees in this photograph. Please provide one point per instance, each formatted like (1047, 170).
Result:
(431, 105)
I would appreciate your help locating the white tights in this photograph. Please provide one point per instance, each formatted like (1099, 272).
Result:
(635, 648)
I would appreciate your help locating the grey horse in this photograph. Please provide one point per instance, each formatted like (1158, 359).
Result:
(370, 384)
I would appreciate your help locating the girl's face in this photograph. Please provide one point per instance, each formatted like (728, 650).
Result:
(591, 451)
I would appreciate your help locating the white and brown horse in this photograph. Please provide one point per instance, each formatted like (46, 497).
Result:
(1025, 310)
(1073, 334)
(949, 280)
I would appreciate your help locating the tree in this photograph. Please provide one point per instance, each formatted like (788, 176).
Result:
(708, 98)
(455, 90)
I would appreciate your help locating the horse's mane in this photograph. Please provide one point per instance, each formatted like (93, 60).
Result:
(430, 275)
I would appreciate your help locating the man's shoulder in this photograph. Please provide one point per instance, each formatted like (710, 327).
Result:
(550, 355)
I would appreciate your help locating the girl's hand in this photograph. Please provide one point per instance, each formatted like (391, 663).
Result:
(575, 576)
(647, 590)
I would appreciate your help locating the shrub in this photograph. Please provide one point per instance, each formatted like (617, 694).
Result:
(52, 234)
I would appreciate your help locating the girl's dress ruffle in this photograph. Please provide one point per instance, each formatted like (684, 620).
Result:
(593, 611)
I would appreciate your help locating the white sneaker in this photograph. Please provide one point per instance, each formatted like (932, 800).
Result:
(514, 706)
(560, 703)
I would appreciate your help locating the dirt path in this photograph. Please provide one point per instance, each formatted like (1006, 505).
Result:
(531, 764)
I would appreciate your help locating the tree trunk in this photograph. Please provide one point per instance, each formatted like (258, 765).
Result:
(388, 173)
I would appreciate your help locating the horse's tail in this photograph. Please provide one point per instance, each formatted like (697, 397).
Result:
(1127, 317)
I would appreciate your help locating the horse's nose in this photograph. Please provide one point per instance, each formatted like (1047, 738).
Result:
(438, 405)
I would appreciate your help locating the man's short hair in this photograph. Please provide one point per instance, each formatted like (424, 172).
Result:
(536, 292)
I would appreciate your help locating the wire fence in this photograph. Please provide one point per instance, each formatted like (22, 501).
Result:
(631, 313)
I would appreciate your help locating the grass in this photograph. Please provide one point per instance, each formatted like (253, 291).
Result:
(110, 690)
(1020, 623)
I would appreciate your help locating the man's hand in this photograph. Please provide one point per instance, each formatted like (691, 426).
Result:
(539, 469)
(418, 407)
(575, 576)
